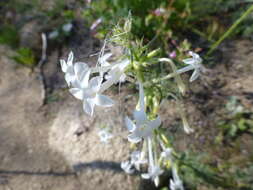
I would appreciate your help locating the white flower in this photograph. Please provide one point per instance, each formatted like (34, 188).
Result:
(137, 160)
(103, 60)
(143, 128)
(73, 72)
(104, 135)
(68, 69)
(127, 167)
(153, 173)
(116, 74)
(193, 63)
(176, 183)
(88, 91)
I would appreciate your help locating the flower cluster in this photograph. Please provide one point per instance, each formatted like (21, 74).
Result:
(88, 85)
(89, 89)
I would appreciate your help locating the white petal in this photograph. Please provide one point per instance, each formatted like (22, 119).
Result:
(156, 181)
(140, 117)
(133, 138)
(127, 167)
(123, 78)
(70, 59)
(95, 83)
(129, 124)
(63, 65)
(122, 65)
(107, 84)
(102, 60)
(84, 79)
(69, 78)
(195, 75)
(80, 67)
(185, 69)
(155, 123)
(172, 185)
(189, 61)
(145, 176)
(88, 106)
(76, 84)
(77, 93)
(194, 55)
(102, 100)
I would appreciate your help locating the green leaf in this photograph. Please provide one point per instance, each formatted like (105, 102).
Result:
(25, 57)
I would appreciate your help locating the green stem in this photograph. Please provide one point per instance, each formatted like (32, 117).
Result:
(230, 30)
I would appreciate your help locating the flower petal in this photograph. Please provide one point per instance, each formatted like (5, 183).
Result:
(70, 59)
(189, 61)
(84, 79)
(63, 65)
(156, 181)
(102, 100)
(103, 60)
(155, 123)
(77, 93)
(194, 55)
(88, 106)
(76, 84)
(127, 167)
(80, 67)
(195, 75)
(133, 138)
(140, 117)
(69, 78)
(145, 176)
(95, 83)
(130, 124)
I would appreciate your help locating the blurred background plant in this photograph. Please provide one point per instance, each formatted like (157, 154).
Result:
(174, 25)
(171, 23)
(239, 120)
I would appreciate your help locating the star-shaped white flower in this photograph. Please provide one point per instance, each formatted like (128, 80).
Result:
(73, 72)
(143, 127)
(153, 173)
(127, 167)
(176, 183)
(103, 60)
(193, 63)
(68, 69)
(116, 74)
(105, 135)
(154, 170)
(137, 160)
(89, 92)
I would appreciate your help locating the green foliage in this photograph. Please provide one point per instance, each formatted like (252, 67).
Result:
(197, 171)
(25, 57)
(23, 6)
(236, 125)
(237, 122)
(172, 20)
(9, 35)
